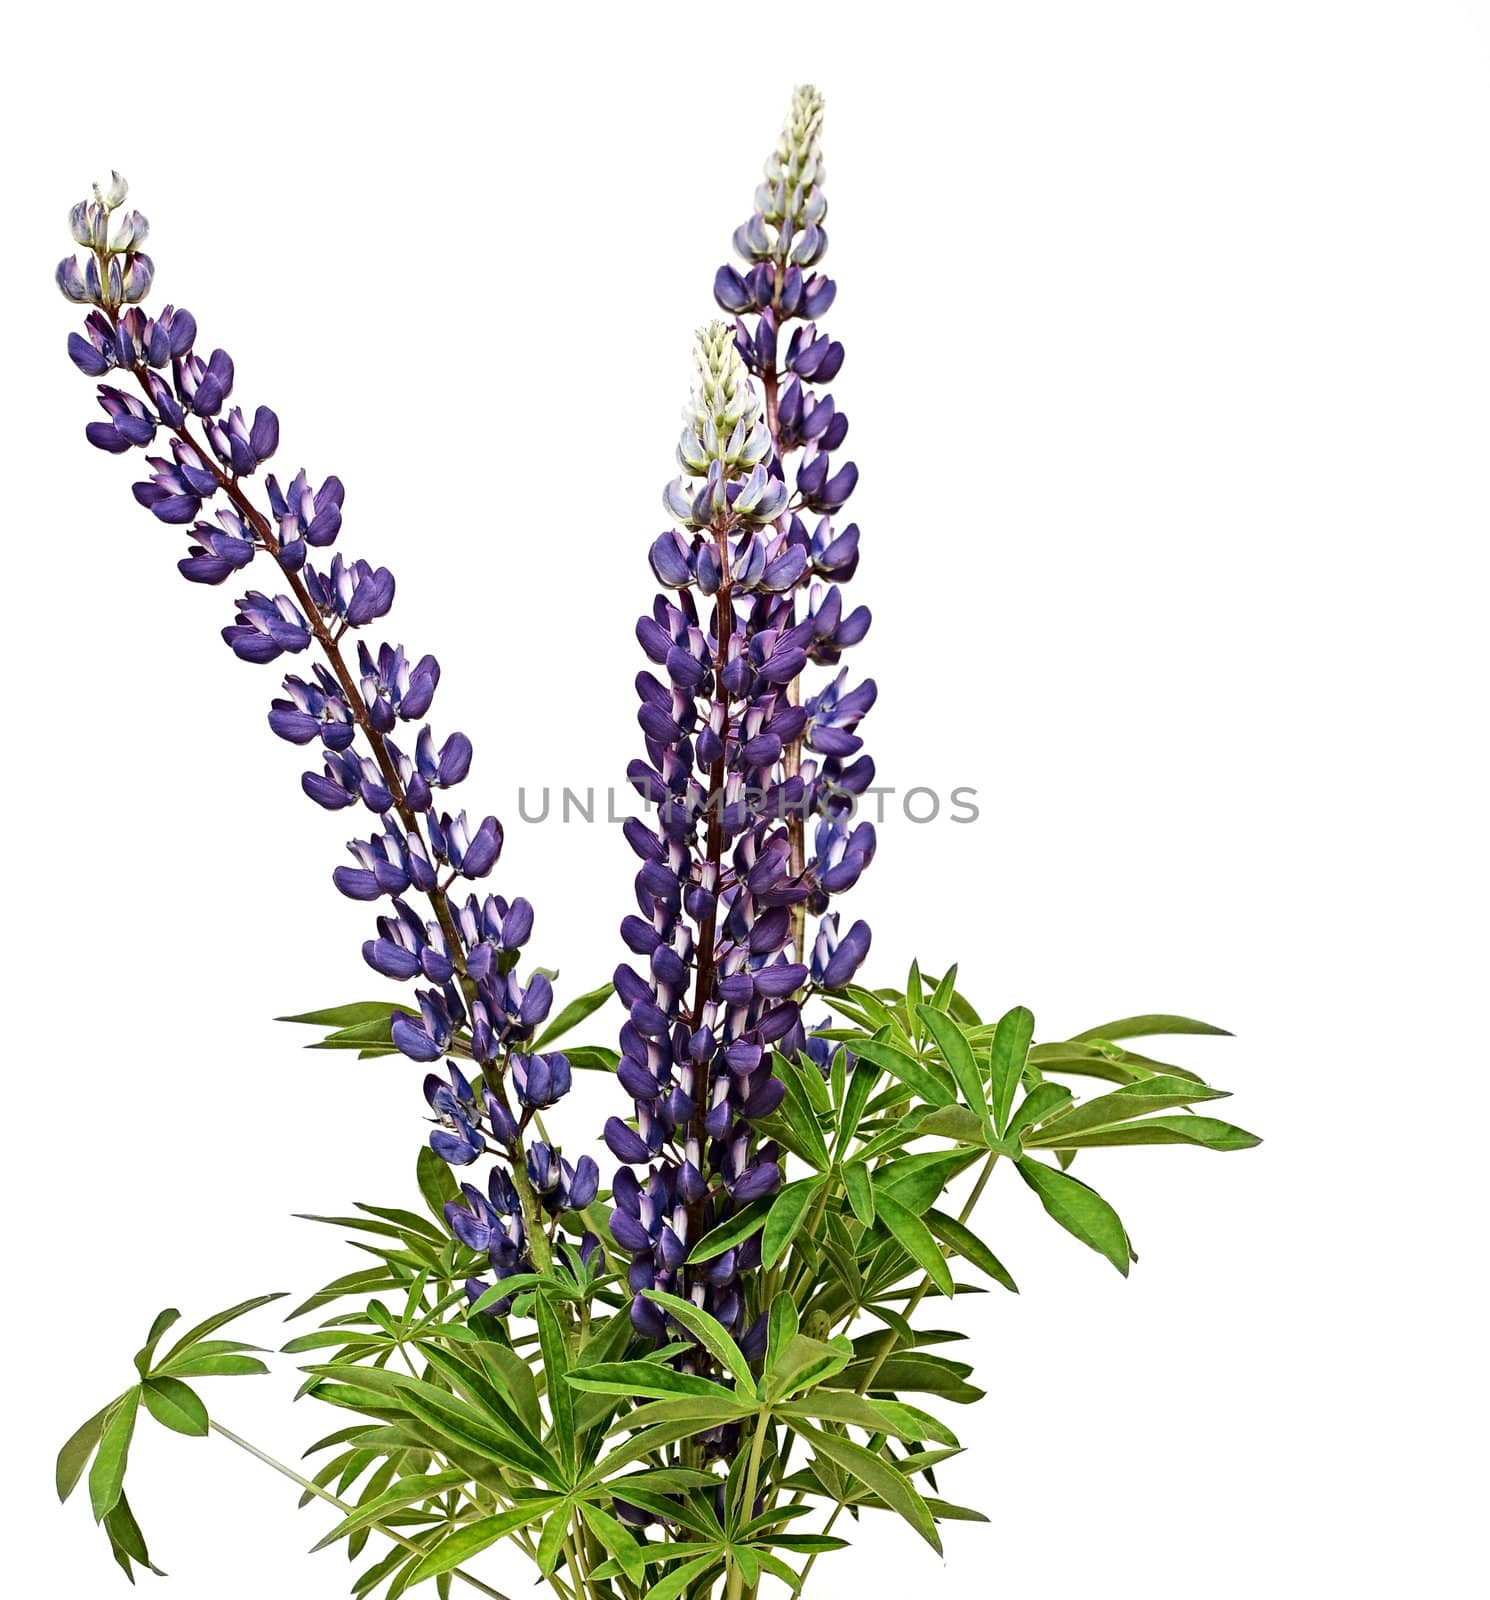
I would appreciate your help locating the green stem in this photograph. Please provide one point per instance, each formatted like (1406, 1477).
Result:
(752, 1479)
(344, 1508)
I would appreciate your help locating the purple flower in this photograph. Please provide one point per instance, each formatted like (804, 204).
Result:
(750, 840)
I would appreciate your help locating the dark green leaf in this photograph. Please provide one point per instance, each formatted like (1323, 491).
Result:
(157, 1329)
(473, 1537)
(216, 1321)
(436, 1182)
(555, 1365)
(643, 1378)
(860, 1194)
(1207, 1132)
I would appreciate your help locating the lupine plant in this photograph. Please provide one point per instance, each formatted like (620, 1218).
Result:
(680, 1383)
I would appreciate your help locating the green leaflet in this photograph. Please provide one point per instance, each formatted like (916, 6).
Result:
(1207, 1132)
(914, 1237)
(1148, 1026)
(106, 1480)
(788, 1211)
(73, 1456)
(878, 1475)
(473, 1537)
(728, 1234)
(960, 1238)
(710, 1334)
(957, 1052)
(1079, 1210)
(911, 1072)
(643, 1378)
(174, 1405)
(1011, 1044)
(574, 1013)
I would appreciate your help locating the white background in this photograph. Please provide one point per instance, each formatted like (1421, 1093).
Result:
(1169, 371)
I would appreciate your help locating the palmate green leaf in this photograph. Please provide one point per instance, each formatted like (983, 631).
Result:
(574, 1013)
(471, 1538)
(788, 1211)
(106, 1479)
(1007, 1053)
(921, 1079)
(1043, 1101)
(174, 1405)
(914, 1237)
(877, 1474)
(957, 1052)
(73, 1456)
(367, 1280)
(551, 1540)
(711, 1334)
(1080, 1210)
(1207, 1132)
(958, 1237)
(782, 1326)
(1148, 1026)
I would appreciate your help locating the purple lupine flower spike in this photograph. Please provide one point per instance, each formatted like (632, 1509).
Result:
(171, 396)
(731, 873)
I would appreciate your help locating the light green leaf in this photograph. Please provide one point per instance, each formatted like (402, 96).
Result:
(618, 1540)
(860, 1193)
(555, 1366)
(1208, 1132)
(157, 1329)
(650, 1379)
(473, 1537)
(216, 1321)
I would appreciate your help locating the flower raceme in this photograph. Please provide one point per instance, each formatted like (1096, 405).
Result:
(462, 944)
(737, 762)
